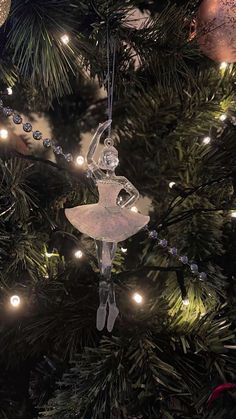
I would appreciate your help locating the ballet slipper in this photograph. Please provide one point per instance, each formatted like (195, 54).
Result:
(101, 317)
(112, 315)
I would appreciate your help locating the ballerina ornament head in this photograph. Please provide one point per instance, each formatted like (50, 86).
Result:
(108, 159)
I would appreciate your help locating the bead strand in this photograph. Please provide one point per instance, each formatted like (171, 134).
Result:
(202, 276)
(37, 135)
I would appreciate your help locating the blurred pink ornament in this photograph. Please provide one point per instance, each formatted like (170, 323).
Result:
(5, 6)
(216, 29)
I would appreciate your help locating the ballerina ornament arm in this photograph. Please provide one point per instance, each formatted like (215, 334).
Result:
(132, 191)
(97, 172)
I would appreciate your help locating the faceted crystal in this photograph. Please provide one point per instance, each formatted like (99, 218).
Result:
(202, 276)
(163, 242)
(68, 157)
(7, 111)
(183, 259)
(37, 135)
(153, 234)
(17, 119)
(173, 251)
(27, 127)
(57, 150)
(194, 268)
(47, 143)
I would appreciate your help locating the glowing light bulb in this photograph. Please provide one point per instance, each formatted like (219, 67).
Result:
(137, 298)
(206, 140)
(15, 301)
(9, 91)
(223, 117)
(171, 184)
(49, 255)
(134, 209)
(233, 214)
(124, 250)
(3, 134)
(185, 301)
(223, 65)
(80, 160)
(65, 39)
(78, 254)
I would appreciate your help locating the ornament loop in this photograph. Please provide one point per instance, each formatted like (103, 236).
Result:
(109, 142)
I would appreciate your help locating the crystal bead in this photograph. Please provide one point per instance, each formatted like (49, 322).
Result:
(47, 143)
(17, 119)
(153, 234)
(37, 135)
(183, 259)
(27, 127)
(194, 268)
(57, 150)
(173, 251)
(202, 276)
(7, 111)
(68, 157)
(163, 242)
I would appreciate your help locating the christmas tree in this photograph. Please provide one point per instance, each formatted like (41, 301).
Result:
(174, 125)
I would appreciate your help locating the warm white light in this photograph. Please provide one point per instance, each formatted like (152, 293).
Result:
(80, 160)
(185, 301)
(49, 255)
(134, 209)
(171, 184)
(206, 140)
(3, 134)
(9, 91)
(15, 300)
(223, 117)
(223, 65)
(65, 39)
(124, 250)
(233, 214)
(78, 254)
(137, 298)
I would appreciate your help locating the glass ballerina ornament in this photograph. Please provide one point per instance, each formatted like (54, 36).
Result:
(109, 221)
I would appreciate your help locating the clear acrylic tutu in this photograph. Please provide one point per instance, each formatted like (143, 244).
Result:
(106, 220)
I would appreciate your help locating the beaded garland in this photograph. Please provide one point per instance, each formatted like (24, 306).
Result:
(152, 234)
(37, 135)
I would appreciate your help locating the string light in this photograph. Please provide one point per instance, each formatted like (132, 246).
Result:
(3, 134)
(80, 160)
(49, 255)
(9, 91)
(137, 298)
(223, 117)
(233, 214)
(15, 300)
(78, 254)
(223, 65)
(185, 301)
(65, 39)
(206, 140)
(134, 209)
(124, 250)
(171, 184)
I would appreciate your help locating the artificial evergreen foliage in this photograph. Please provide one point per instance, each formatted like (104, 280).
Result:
(163, 358)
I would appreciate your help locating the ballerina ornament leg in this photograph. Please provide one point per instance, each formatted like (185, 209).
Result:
(105, 253)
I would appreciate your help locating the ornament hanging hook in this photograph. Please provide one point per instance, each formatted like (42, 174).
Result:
(111, 49)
